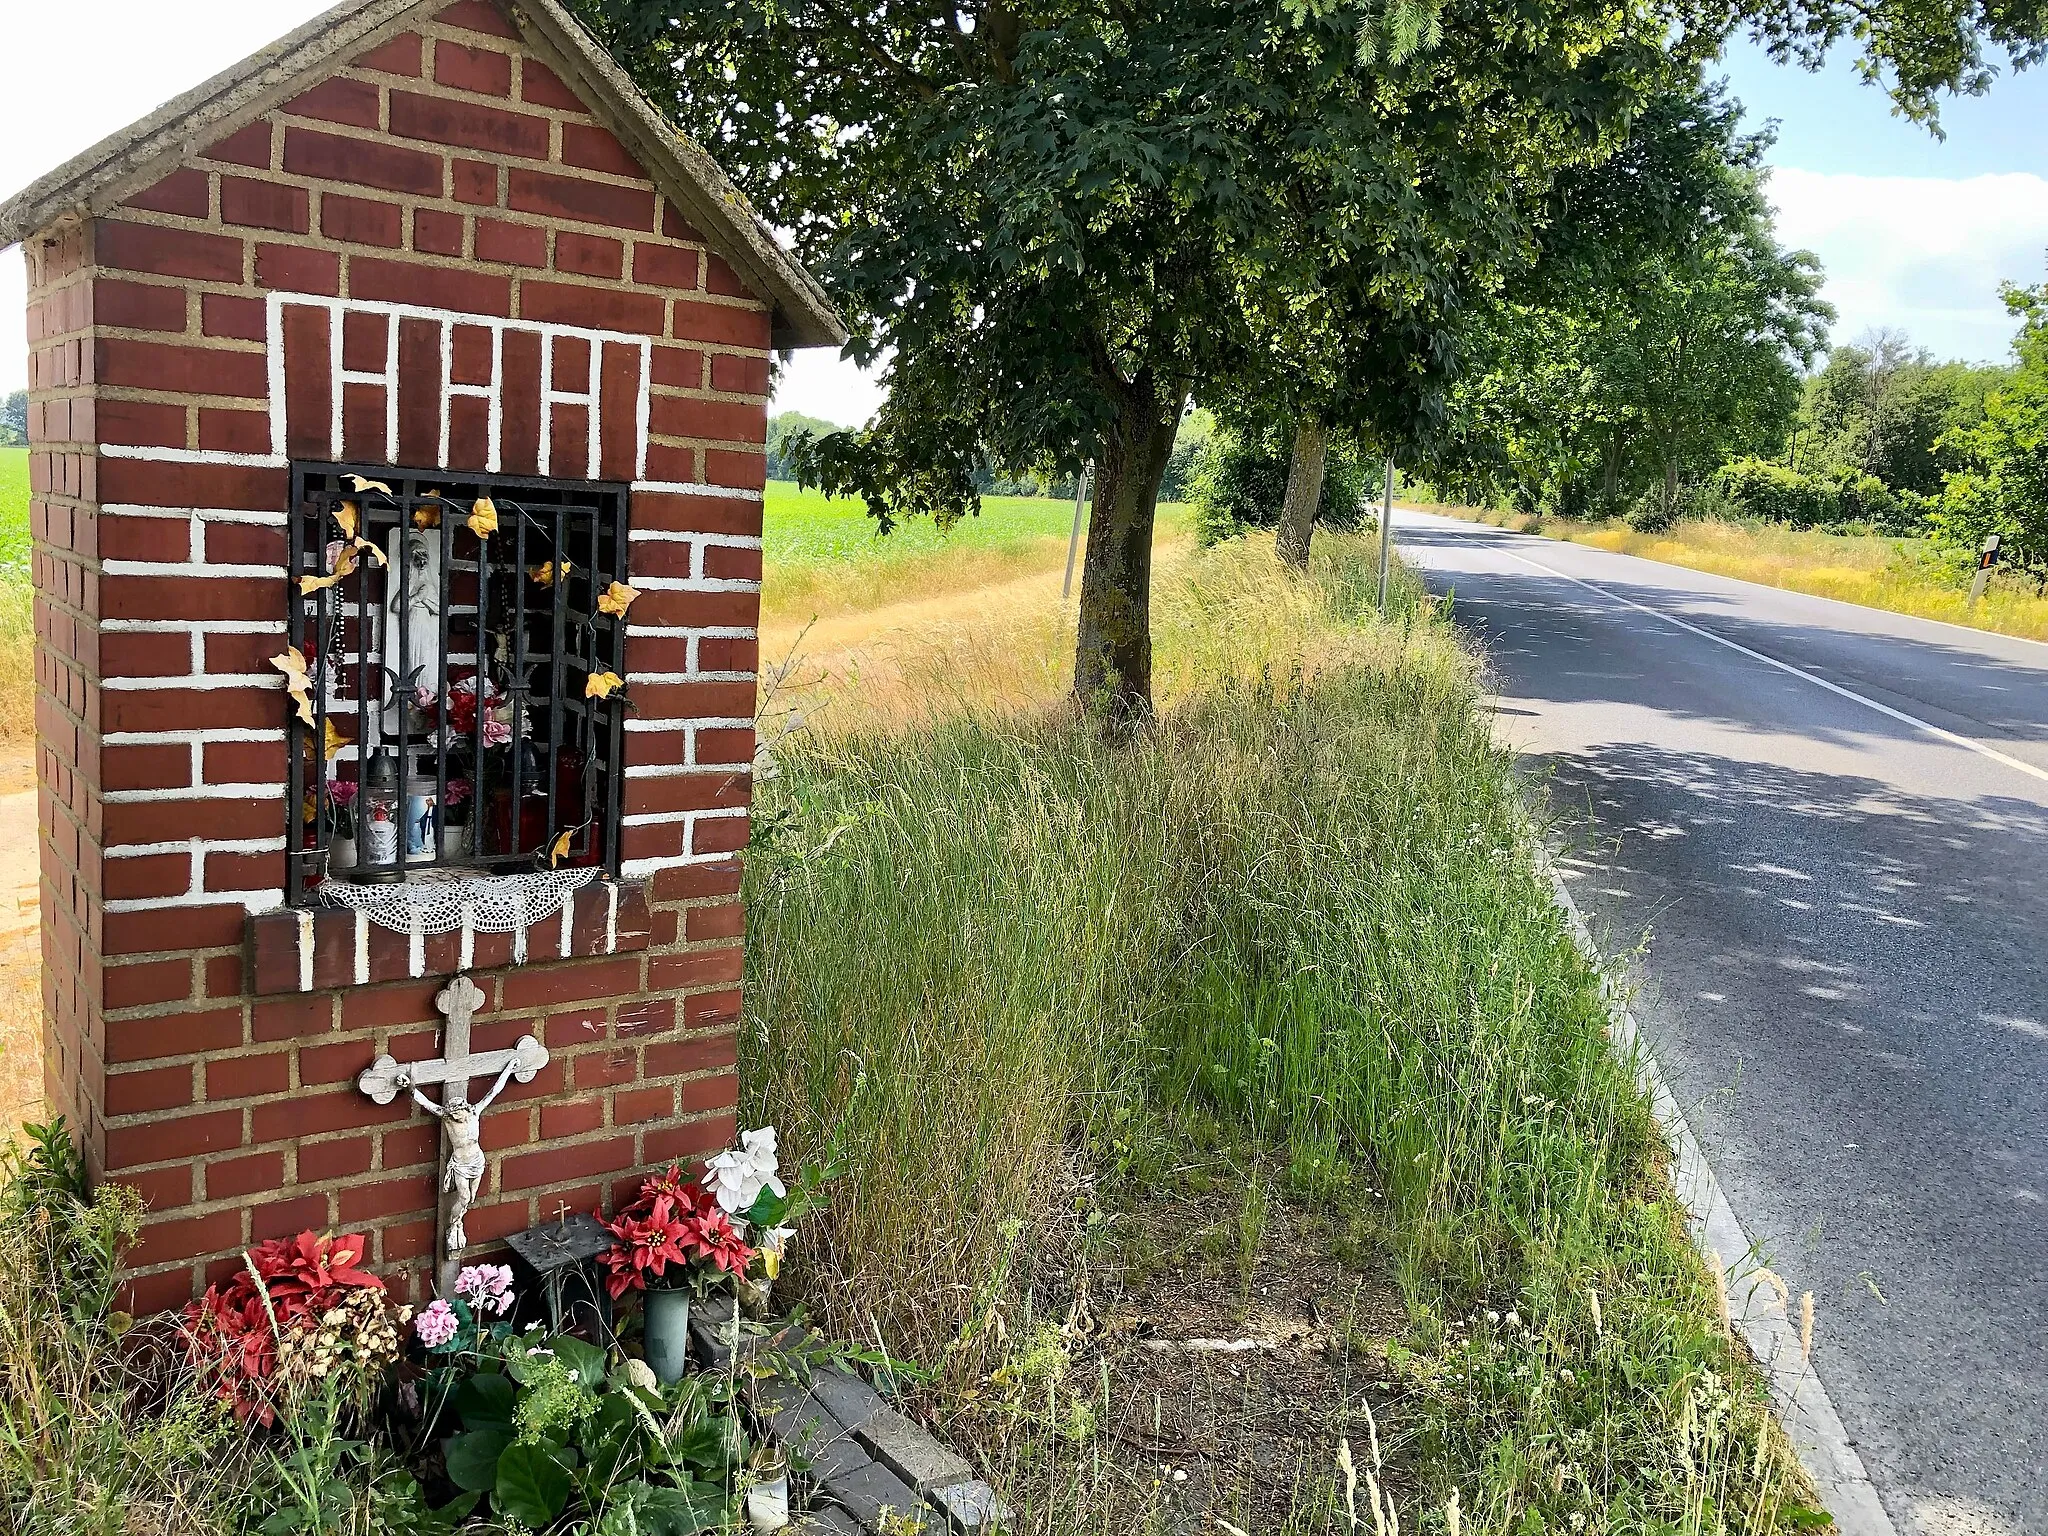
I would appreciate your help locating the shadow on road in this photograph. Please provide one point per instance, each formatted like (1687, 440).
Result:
(2005, 700)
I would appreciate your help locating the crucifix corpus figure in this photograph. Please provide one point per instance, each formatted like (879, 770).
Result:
(462, 1155)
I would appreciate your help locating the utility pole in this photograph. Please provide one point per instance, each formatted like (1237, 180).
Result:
(1386, 531)
(1074, 538)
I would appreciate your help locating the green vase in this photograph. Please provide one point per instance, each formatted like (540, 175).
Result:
(666, 1339)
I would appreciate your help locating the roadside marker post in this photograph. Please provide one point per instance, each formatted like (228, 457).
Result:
(1386, 531)
(1987, 558)
(1074, 538)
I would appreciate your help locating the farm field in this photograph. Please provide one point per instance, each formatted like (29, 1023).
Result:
(1896, 574)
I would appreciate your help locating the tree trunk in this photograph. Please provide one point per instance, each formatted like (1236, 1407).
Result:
(1304, 492)
(1113, 649)
(1610, 485)
(1670, 487)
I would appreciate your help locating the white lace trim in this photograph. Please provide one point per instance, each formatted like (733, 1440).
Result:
(479, 903)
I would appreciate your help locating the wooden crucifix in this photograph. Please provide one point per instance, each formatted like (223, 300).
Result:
(462, 1153)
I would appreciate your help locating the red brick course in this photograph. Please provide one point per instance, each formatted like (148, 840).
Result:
(448, 168)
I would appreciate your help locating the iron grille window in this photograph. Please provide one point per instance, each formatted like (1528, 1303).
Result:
(456, 710)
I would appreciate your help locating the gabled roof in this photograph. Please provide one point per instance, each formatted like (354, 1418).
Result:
(140, 154)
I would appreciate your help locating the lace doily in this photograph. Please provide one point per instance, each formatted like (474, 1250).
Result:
(486, 903)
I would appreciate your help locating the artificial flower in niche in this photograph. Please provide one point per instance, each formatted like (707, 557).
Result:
(483, 517)
(298, 681)
(602, 685)
(547, 572)
(342, 564)
(616, 599)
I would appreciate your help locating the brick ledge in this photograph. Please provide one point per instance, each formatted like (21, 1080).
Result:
(347, 949)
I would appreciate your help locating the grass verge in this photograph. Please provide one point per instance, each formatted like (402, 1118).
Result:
(17, 620)
(1287, 948)
(1898, 575)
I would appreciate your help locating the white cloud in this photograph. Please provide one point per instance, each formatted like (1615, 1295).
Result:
(1923, 254)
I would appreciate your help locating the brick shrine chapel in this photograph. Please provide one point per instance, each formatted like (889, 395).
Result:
(397, 407)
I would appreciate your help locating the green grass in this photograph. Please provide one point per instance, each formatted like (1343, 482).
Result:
(17, 616)
(13, 507)
(995, 955)
(806, 527)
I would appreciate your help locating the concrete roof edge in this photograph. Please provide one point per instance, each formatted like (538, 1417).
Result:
(123, 163)
(89, 183)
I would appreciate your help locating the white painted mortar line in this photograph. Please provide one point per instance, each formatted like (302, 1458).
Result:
(1802, 1401)
(1799, 672)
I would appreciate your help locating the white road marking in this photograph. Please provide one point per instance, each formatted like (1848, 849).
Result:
(1799, 672)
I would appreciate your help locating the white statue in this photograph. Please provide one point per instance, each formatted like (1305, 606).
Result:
(420, 614)
(464, 1174)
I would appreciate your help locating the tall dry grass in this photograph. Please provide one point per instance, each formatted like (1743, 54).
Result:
(996, 958)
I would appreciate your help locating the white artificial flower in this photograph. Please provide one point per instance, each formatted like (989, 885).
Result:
(738, 1176)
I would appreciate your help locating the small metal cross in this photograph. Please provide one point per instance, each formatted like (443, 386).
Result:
(462, 1159)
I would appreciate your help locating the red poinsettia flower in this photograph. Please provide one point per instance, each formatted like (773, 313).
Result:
(229, 1332)
(675, 1221)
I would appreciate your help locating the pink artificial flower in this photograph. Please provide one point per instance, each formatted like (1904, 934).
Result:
(487, 1288)
(458, 792)
(342, 793)
(436, 1325)
(496, 732)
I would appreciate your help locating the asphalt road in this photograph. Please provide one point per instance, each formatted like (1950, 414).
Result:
(1845, 962)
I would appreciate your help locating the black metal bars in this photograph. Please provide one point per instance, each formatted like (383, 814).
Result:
(451, 662)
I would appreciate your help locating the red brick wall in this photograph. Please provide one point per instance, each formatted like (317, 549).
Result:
(446, 202)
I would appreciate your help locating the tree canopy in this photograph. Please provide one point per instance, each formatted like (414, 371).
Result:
(2001, 481)
(1681, 344)
(1056, 224)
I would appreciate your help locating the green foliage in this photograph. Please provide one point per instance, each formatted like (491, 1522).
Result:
(1881, 408)
(1776, 494)
(1650, 364)
(14, 420)
(82, 1453)
(782, 427)
(2001, 483)
(550, 1430)
(1197, 429)
(1241, 479)
(1651, 512)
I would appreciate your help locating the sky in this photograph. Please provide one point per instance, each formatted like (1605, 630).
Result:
(1914, 232)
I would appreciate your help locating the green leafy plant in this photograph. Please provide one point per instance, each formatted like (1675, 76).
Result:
(550, 1431)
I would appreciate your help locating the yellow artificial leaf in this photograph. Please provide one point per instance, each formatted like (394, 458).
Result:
(426, 517)
(616, 599)
(483, 517)
(602, 685)
(546, 572)
(559, 848)
(344, 564)
(335, 740)
(358, 484)
(297, 682)
(349, 518)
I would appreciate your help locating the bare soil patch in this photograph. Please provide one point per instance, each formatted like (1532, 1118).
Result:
(1204, 1391)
